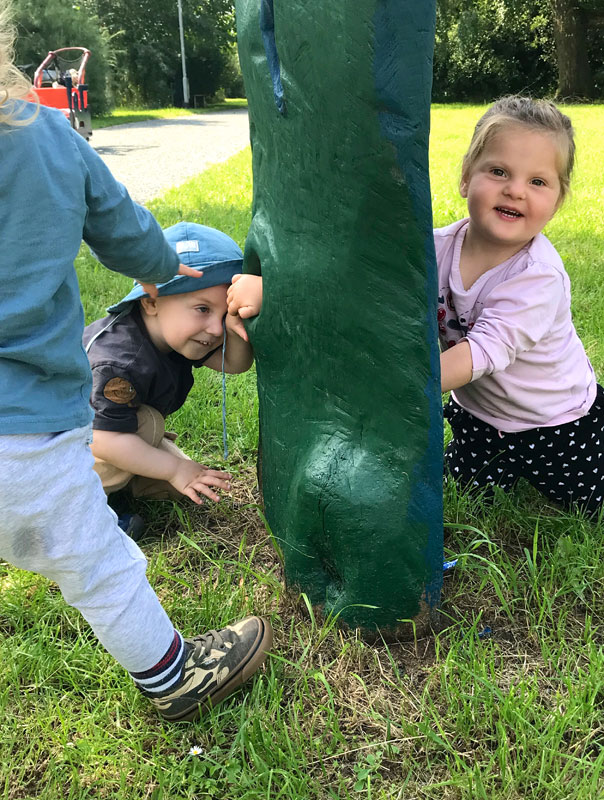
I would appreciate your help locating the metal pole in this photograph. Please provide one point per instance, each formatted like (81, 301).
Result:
(185, 80)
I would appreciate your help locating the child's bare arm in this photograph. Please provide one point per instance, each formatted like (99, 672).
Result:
(238, 356)
(456, 366)
(129, 452)
(244, 300)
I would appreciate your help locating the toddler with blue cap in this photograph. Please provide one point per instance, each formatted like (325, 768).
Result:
(142, 358)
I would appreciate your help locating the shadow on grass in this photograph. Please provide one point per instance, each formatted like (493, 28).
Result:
(123, 149)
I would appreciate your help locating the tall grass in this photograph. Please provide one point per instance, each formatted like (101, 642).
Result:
(505, 703)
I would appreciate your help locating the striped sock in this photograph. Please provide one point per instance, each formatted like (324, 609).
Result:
(166, 672)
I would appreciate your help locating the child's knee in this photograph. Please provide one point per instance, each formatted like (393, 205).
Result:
(151, 425)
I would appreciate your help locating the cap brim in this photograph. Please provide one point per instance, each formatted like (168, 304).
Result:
(213, 275)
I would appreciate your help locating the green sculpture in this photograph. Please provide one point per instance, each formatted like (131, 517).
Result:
(346, 344)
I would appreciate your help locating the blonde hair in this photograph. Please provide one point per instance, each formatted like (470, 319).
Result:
(14, 85)
(539, 115)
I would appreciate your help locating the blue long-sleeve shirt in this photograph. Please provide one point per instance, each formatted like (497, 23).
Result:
(54, 192)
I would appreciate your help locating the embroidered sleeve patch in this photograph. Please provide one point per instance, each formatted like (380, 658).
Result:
(119, 390)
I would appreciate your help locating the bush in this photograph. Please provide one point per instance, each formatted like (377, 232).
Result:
(232, 79)
(145, 37)
(488, 48)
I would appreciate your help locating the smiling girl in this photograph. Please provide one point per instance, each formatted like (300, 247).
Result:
(524, 401)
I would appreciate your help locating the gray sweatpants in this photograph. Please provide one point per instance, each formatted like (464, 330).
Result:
(54, 520)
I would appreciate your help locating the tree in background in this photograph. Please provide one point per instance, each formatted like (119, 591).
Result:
(595, 45)
(483, 48)
(145, 36)
(486, 48)
(577, 33)
(55, 23)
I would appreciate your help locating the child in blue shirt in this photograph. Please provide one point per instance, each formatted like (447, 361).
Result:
(54, 516)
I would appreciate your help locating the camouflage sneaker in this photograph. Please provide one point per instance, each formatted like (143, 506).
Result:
(216, 664)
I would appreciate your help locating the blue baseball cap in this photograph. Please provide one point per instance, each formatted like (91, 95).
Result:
(198, 246)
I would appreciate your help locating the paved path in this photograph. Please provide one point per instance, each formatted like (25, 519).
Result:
(152, 156)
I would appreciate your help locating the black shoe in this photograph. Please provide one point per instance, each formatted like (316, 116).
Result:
(133, 525)
(216, 664)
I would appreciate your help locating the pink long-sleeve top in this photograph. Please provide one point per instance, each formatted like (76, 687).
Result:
(529, 367)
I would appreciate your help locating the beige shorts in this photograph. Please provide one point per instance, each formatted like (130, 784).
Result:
(152, 430)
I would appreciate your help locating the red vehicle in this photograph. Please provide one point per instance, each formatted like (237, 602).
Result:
(60, 82)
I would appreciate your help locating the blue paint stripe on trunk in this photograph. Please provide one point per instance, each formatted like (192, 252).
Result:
(403, 81)
(267, 27)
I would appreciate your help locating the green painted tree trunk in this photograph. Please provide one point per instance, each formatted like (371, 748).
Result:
(346, 344)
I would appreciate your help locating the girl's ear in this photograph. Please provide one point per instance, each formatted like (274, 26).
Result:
(148, 306)
(463, 187)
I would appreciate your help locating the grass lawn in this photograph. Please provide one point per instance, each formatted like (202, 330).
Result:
(514, 715)
(120, 116)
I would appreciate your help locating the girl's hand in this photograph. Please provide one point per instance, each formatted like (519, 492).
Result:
(151, 288)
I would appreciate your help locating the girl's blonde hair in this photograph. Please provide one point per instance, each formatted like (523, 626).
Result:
(14, 85)
(539, 115)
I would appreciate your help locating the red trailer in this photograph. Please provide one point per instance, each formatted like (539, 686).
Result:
(60, 82)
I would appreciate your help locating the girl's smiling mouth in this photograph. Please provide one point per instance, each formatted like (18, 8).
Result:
(508, 213)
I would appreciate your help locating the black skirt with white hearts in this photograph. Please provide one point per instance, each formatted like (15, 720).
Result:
(563, 462)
